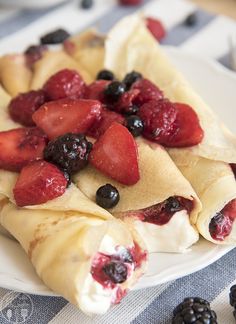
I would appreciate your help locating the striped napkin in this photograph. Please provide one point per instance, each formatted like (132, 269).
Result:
(152, 305)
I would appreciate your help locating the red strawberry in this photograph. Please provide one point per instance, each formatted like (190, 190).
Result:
(156, 27)
(115, 154)
(147, 91)
(186, 130)
(63, 84)
(130, 2)
(38, 183)
(96, 90)
(107, 118)
(20, 146)
(56, 118)
(158, 117)
(22, 107)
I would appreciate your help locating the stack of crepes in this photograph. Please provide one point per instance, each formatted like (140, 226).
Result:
(70, 239)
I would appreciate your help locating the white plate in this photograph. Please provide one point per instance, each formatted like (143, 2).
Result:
(30, 4)
(217, 86)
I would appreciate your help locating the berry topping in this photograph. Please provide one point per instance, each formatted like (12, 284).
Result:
(132, 110)
(221, 224)
(147, 91)
(113, 91)
(107, 196)
(156, 27)
(130, 78)
(22, 107)
(130, 2)
(55, 37)
(107, 118)
(115, 154)
(158, 117)
(69, 152)
(134, 125)
(67, 116)
(116, 271)
(34, 53)
(173, 205)
(186, 130)
(191, 20)
(232, 296)
(20, 146)
(86, 4)
(39, 182)
(126, 101)
(96, 90)
(65, 83)
(105, 75)
(194, 310)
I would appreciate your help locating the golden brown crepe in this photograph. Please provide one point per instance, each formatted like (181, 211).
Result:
(159, 180)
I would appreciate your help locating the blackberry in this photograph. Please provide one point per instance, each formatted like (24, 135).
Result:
(134, 125)
(86, 4)
(232, 296)
(69, 152)
(107, 196)
(173, 205)
(116, 271)
(130, 78)
(105, 75)
(113, 91)
(57, 36)
(191, 20)
(194, 310)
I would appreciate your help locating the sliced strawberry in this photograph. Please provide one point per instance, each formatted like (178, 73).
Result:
(147, 91)
(63, 84)
(20, 146)
(56, 118)
(107, 118)
(186, 130)
(96, 90)
(156, 27)
(38, 183)
(22, 107)
(115, 154)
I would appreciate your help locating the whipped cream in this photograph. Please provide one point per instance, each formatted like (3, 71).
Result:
(175, 236)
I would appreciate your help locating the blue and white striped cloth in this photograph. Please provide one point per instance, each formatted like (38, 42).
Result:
(19, 29)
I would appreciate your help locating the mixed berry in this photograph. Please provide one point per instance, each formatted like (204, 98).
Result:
(107, 196)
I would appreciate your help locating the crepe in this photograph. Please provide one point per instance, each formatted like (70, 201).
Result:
(159, 180)
(15, 76)
(130, 46)
(53, 62)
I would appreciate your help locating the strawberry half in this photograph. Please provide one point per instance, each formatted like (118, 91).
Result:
(56, 118)
(38, 183)
(115, 154)
(20, 146)
(186, 129)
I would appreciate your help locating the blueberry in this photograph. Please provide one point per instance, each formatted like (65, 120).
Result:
(107, 196)
(86, 4)
(173, 205)
(57, 36)
(134, 125)
(105, 75)
(114, 91)
(116, 271)
(191, 20)
(130, 78)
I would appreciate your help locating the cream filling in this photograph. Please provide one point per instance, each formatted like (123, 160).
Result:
(175, 236)
(95, 299)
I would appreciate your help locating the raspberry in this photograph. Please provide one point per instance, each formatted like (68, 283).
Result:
(96, 90)
(69, 152)
(158, 117)
(22, 107)
(147, 91)
(156, 27)
(63, 84)
(130, 2)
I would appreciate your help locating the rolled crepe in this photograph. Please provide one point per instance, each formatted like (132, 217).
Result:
(88, 50)
(130, 46)
(215, 185)
(160, 180)
(15, 76)
(53, 62)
